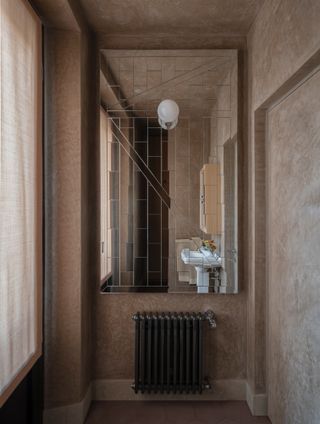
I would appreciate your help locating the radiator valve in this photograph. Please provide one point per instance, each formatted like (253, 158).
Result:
(210, 316)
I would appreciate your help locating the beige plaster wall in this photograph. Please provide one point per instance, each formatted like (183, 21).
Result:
(285, 35)
(71, 266)
(294, 266)
(63, 336)
(89, 196)
(114, 331)
(167, 41)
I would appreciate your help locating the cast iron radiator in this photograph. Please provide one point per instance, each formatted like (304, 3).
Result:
(169, 352)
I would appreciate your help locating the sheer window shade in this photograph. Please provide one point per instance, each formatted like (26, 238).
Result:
(105, 205)
(20, 193)
(103, 193)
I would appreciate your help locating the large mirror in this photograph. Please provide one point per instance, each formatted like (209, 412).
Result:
(169, 198)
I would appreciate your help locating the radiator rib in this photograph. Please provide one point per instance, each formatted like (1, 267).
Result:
(194, 353)
(169, 350)
(182, 352)
(155, 354)
(175, 352)
(168, 363)
(162, 352)
(143, 352)
(149, 350)
(137, 356)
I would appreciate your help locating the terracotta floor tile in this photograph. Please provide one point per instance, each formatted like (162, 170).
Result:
(135, 412)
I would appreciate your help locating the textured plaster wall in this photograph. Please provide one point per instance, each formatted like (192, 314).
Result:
(89, 196)
(285, 35)
(63, 336)
(167, 41)
(294, 267)
(114, 331)
(211, 17)
(72, 265)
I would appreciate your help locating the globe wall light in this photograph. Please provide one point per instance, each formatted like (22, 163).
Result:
(168, 112)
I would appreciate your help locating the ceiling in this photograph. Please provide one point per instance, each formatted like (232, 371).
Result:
(198, 80)
(227, 17)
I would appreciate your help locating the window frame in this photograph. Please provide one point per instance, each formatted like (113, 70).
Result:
(22, 372)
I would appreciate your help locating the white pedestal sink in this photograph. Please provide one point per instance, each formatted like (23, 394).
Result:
(203, 260)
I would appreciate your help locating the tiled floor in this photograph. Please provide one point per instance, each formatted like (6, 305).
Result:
(136, 412)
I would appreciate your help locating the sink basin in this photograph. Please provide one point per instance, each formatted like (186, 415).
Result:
(202, 259)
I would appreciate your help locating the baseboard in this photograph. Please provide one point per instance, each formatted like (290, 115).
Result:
(258, 403)
(121, 390)
(69, 414)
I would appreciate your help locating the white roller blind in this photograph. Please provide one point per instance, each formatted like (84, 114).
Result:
(20, 193)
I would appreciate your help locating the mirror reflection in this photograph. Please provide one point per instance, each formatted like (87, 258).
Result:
(168, 166)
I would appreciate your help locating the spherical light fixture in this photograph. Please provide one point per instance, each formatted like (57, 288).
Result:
(168, 112)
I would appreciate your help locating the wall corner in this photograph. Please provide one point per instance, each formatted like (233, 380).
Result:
(257, 402)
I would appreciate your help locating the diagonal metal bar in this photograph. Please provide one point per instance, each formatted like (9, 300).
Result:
(174, 81)
(114, 86)
(130, 150)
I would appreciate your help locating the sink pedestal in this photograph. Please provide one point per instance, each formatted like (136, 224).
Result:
(202, 279)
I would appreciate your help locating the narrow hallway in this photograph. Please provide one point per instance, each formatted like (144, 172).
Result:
(159, 211)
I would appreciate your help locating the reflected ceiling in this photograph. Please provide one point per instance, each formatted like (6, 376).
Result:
(196, 79)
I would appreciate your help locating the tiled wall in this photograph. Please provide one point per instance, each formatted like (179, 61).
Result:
(138, 217)
(197, 140)
(189, 150)
(150, 228)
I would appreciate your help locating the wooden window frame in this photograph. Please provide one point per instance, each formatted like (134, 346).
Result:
(33, 358)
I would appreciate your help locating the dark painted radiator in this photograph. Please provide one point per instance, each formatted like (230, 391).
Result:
(169, 351)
